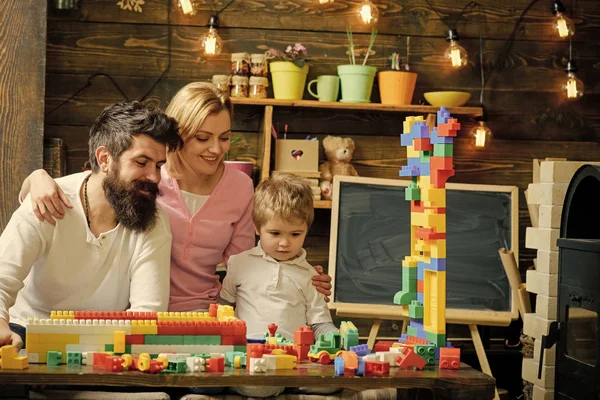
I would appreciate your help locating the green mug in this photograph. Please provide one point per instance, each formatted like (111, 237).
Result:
(328, 87)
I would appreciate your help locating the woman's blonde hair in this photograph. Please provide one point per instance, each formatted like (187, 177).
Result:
(284, 196)
(190, 107)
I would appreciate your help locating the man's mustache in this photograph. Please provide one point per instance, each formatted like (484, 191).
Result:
(148, 186)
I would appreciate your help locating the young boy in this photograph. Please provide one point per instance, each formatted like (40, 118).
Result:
(271, 283)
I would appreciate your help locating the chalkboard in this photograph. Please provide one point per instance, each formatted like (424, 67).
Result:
(370, 237)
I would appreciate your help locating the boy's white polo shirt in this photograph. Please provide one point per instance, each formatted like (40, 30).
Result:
(269, 291)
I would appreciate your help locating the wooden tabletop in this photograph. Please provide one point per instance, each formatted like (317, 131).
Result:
(466, 383)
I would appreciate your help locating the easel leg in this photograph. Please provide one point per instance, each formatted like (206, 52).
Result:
(483, 361)
(373, 333)
(404, 325)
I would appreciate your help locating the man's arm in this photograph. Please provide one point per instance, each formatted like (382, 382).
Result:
(150, 275)
(318, 315)
(21, 244)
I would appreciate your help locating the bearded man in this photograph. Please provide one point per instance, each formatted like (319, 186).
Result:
(113, 252)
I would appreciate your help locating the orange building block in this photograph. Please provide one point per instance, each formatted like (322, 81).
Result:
(10, 358)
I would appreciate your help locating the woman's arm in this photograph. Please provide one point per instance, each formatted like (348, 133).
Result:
(47, 199)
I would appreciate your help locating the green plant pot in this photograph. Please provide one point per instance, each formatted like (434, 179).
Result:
(357, 82)
(288, 80)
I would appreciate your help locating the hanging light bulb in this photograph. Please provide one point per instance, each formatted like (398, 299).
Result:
(455, 52)
(481, 133)
(187, 7)
(573, 87)
(368, 13)
(563, 25)
(325, 1)
(210, 42)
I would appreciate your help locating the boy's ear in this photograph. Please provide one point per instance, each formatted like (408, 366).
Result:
(257, 231)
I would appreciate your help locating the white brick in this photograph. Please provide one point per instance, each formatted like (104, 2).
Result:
(560, 171)
(539, 393)
(96, 339)
(541, 238)
(546, 307)
(82, 348)
(530, 374)
(33, 358)
(539, 283)
(549, 354)
(547, 262)
(547, 193)
(549, 216)
(535, 326)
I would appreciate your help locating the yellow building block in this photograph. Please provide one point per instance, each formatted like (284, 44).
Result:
(10, 358)
(119, 341)
(434, 318)
(144, 327)
(409, 122)
(285, 361)
(37, 348)
(410, 262)
(62, 315)
(271, 340)
(32, 338)
(61, 338)
(411, 152)
(423, 245)
(424, 181)
(429, 220)
(224, 311)
(438, 249)
(346, 325)
(433, 197)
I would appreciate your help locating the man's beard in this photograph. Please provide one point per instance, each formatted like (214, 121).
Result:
(135, 210)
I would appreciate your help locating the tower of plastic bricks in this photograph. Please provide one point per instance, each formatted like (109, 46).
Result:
(430, 164)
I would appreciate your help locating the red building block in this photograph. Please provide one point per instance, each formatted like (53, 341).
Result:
(134, 339)
(113, 364)
(422, 144)
(443, 163)
(377, 367)
(303, 336)
(450, 128)
(409, 359)
(215, 364)
(302, 351)
(449, 358)
(255, 350)
(212, 310)
(155, 367)
(100, 359)
(420, 287)
(417, 206)
(272, 329)
(438, 177)
(429, 234)
(383, 345)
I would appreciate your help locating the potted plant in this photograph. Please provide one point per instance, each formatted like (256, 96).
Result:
(357, 80)
(397, 85)
(288, 72)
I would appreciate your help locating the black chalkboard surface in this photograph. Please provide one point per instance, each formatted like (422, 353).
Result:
(371, 236)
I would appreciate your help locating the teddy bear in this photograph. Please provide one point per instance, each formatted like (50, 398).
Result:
(339, 152)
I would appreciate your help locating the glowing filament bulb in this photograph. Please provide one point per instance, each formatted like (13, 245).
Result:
(456, 54)
(211, 43)
(481, 133)
(564, 26)
(187, 7)
(573, 86)
(368, 13)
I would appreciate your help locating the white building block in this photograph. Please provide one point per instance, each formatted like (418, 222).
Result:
(546, 307)
(85, 347)
(530, 374)
(87, 358)
(195, 364)
(539, 283)
(560, 171)
(535, 326)
(549, 216)
(541, 238)
(547, 262)
(96, 339)
(547, 193)
(33, 358)
(258, 365)
(540, 393)
(270, 362)
(387, 356)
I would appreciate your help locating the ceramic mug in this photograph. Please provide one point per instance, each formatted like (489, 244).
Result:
(328, 87)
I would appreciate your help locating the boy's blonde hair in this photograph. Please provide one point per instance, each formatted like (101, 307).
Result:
(284, 196)
(190, 107)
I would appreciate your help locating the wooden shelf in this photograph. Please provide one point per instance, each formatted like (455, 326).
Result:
(473, 111)
(322, 203)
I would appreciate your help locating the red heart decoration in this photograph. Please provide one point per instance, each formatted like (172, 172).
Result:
(297, 154)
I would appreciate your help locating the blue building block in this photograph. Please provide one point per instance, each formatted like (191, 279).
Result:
(409, 171)
(417, 323)
(361, 350)
(419, 130)
(435, 139)
(420, 297)
(442, 115)
(338, 366)
(424, 169)
(436, 264)
(406, 139)
(256, 340)
(361, 367)
(413, 162)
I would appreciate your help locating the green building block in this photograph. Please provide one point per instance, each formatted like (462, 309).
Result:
(412, 192)
(411, 331)
(208, 339)
(189, 339)
(176, 367)
(415, 310)
(424, 156)
(438, 339)
(426, 352)
(53, 358)
(206, 356)
(230, 357)
(111, 348)
(443, 150)
(239, 348)
(73, 358)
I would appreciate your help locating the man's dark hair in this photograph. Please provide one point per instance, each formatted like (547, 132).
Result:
(118, 123)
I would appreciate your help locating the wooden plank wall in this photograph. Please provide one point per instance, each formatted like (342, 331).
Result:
(527, 113)
(22, 67)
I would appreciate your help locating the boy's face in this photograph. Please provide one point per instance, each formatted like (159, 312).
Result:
(282, 240)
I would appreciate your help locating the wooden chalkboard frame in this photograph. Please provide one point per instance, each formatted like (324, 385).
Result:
(455, 316)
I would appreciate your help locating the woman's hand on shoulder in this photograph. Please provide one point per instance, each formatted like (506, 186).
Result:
(47, 198)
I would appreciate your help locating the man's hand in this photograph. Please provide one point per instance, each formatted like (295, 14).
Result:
(9, 337)
(322, 282)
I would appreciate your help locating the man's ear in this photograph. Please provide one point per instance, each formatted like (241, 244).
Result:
(103, 158)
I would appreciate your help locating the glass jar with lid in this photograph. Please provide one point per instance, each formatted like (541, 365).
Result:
(239, 86)
(222, 82)
(240, 64)
(258, 87)
(258, 65)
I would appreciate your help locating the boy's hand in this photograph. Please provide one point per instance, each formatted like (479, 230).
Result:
(9, 337)
(322, 282)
